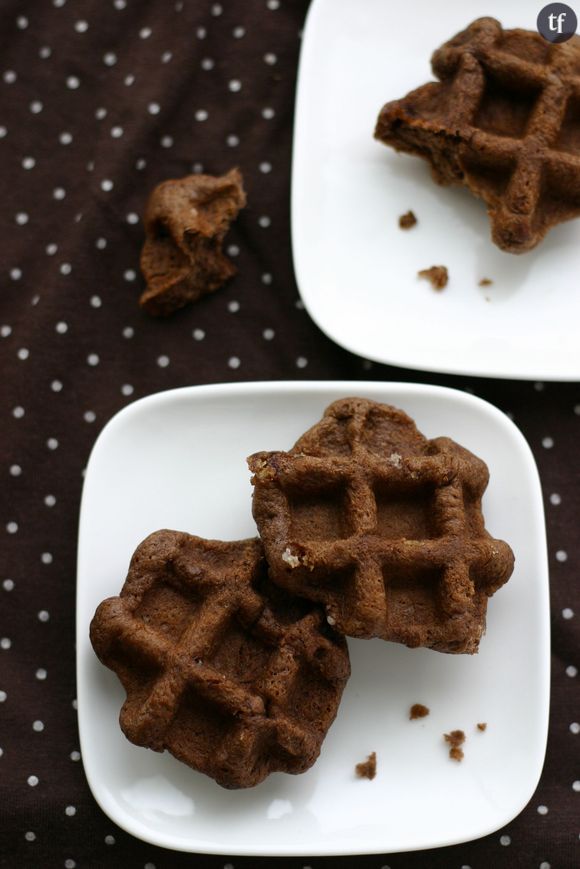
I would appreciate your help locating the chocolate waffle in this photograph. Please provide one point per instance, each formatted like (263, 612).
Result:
(185, 224)
(381, 526)
(220, 669)
(503, 120)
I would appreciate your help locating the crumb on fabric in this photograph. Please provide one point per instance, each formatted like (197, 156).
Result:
(485, 282)
(417, 710)
(368, 768)
(408, 220)
(438, 276)
(482, 726)
(455, 739)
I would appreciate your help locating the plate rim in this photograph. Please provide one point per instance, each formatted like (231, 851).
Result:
(322, 849)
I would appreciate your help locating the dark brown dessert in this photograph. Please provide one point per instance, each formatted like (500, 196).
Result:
(185, 224)
(227, 673)
(455, 739)
(368, 767)
(504, 121)
(417, 710)
(438, 276)
(408, 220)
(382, 526)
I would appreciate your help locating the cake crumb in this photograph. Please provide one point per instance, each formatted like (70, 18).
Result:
(485, 282)
(368, 768)
(455, 739)
(482, 726)
(290, 559)
(417, 710)
(396, 460)
(438, 276)
(408, 220)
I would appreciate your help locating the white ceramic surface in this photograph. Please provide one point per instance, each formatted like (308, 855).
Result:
(356, 270)
(177, 460)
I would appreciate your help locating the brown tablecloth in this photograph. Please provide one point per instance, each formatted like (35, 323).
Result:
(100, 100)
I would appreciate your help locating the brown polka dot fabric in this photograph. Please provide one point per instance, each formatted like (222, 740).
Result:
(100, 101)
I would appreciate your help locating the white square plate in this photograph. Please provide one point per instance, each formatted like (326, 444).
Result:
(177, 460)
(356, 270)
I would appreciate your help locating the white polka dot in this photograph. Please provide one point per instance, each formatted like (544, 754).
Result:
(100, 114)
(561, 555)
(128, 332)
(51, 249)
(265, 167)
(69, 864)
(238, 32)
(120, 4)
(268, 334)
(129, 274)
(3, 696)
(270, 58)
(23, 353)
(75, 755)
(5, 643)
(43, 616)
(75, 704)
(568, 613)
(93, 359)
(21, 218)
(545, 865)
(109, 840)
(38, 726)
(273, 4)
(12, 527)
(49, 500)
(163, 361)
(116, 132)
(201, 115)
(45, 52)
(268, 113)
(61, 327)
(5, 331)
(153, 108)
(32, 780)
(234, 362)
(166, 141)
(46, 558)
(233, 141)
(22, 22)
(81, 26)
(266, 278)
(9, 76)
(571, 671)
(505, 840)
(235, 85)
(107, 185)
(110, 58)
(301, 362)
(58, 193)
(18, 412)
(56, 386)
(35, 299)
(41, 674)
(233, 250)
(127, 389)
(132, 218)
(198, 334)
(28, 163)
(233, 306)
(3, 132)
(149, 866)
(201, 32)
(15, 470)
(70, 811)
(575, 727)
(52, 444)
(65, 268)
(216, 9)
(30, 836)
(65, 138)
(101, 243)
(129, 80)
(555, 499)
(73, 82)
(36, 107)
(207, 63)
(145, 32)
(547, 443)
(166, 57)
(542, 810)
(95, 302)
(197, 168)
(140, 164)
(264, 221)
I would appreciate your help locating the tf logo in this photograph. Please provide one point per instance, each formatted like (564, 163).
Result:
(557, 22)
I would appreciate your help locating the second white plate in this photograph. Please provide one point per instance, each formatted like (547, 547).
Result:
(356, 270)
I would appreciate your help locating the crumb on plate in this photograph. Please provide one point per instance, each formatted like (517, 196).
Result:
(368, 768)
(482, 726)
(408, 220)
(455, 739)
(438, 276)
(417, 710)
(485, 282)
